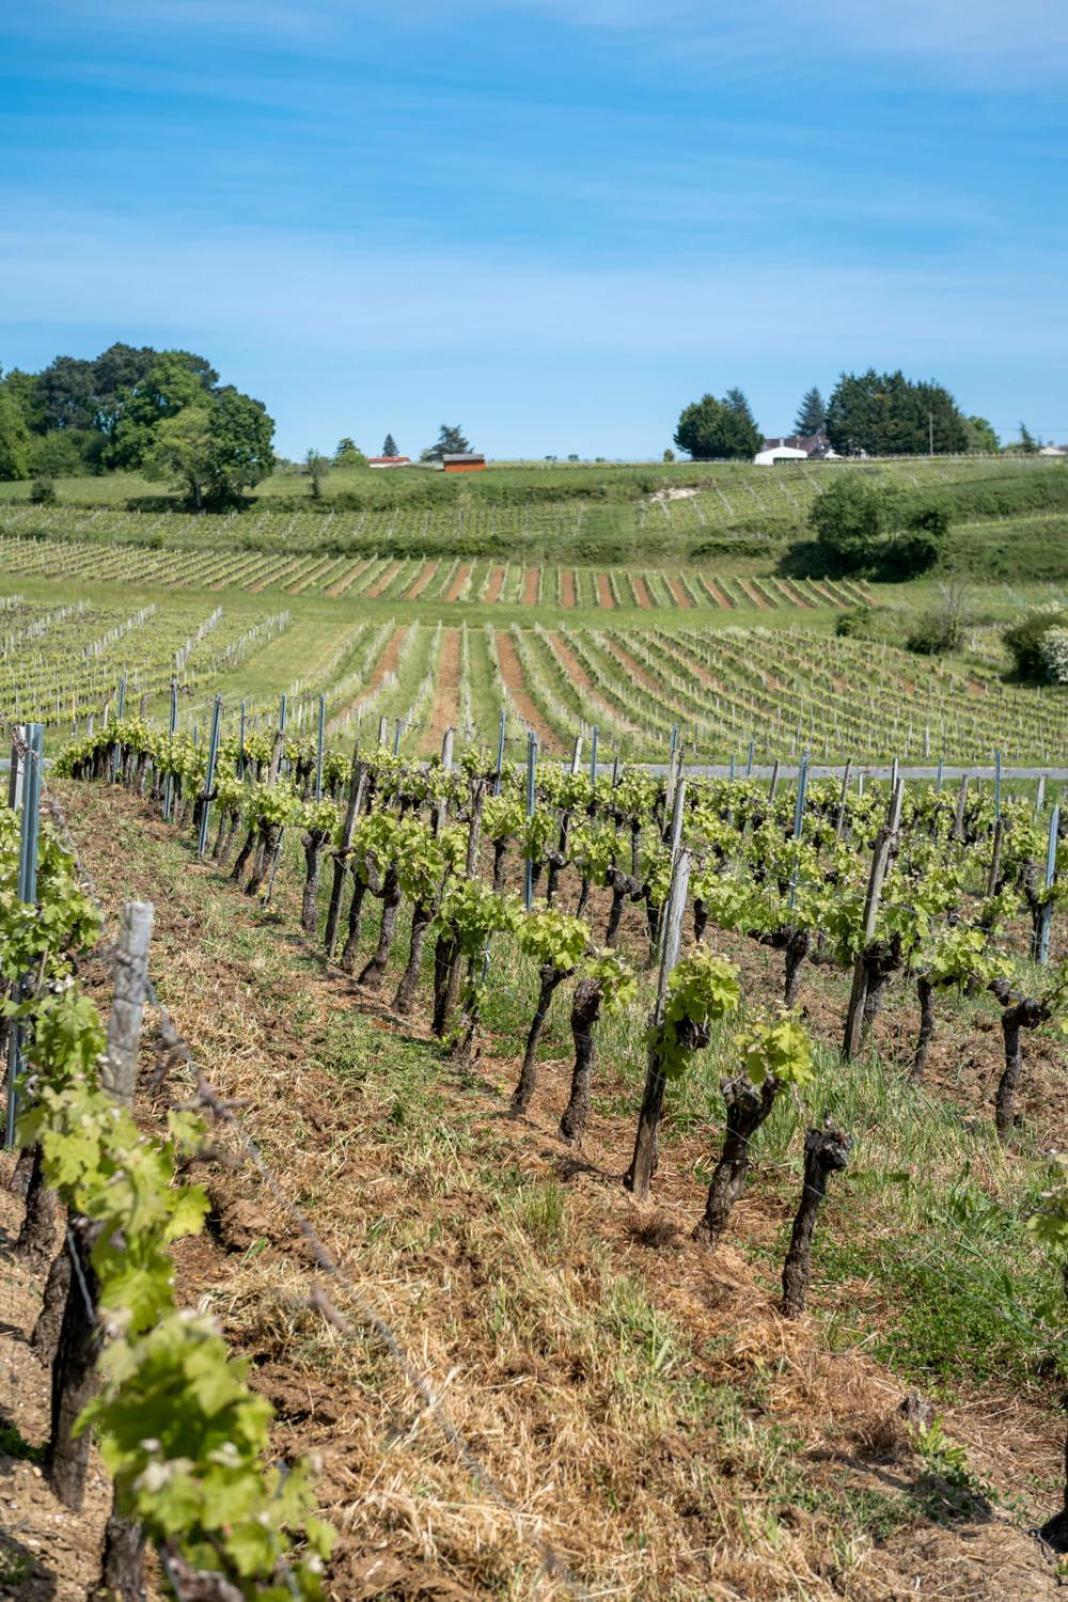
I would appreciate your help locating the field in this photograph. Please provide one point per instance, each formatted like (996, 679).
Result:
(479, 1044)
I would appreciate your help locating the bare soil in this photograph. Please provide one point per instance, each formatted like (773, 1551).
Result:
(423, 578)
(383, 581)
(348, 578)
(512, 674)
(446, 710)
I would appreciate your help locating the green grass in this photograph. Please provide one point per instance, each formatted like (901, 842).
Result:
(589, 512)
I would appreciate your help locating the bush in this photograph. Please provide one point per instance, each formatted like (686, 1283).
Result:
(43, 492)
(854, 623)
(1025, 641)
(936, 633)
(848, 520)
(1054, 651)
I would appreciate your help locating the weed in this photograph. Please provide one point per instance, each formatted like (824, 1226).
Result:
(14, 1444)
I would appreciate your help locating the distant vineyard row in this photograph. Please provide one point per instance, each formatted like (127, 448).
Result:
(782, 689)
(400, 579)
(752, 505)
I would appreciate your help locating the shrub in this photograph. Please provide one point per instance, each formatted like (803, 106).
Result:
(1053, 648)
(1025, 642)
(848, 520)
(854, 623)
(935, 633)
(43, 492)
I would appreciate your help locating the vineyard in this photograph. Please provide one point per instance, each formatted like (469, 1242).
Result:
(609, 513)
(494, 1122)
(737, 693)
(398, 579)
(700, 1048)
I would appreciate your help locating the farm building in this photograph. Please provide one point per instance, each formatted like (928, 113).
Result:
(795, 448)
(388, 461)
(465, 462)
(776, 451)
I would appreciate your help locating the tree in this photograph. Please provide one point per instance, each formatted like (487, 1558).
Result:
(116, 370)
(318, 466)
(22, 387)
(14, 439)
(175, 381)
(982, 440)
(65, 394)
(669, 455)
(711, 428)
(735, 401)
(450, 442)
(60, 454)
(811, 414)
(848, 520)
(885, 414)
(215, 451)
(1028, 442)
(389, 448)
(348, 454)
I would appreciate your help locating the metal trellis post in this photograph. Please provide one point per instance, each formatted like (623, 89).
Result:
(29, 835)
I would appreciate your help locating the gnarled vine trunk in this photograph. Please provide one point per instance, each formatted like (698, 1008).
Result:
(585, 1011)
(747, 1108)
(551, 977)
(826, 1150)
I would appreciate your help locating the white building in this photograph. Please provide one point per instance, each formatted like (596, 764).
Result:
(779, 453)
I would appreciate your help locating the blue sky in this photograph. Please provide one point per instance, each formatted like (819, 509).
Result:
(554, 222)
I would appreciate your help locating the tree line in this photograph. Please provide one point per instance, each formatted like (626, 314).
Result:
(162, 413)
(868, 414)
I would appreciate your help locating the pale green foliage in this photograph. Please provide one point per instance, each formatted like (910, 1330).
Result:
(1053, 649)
(553, 939)
(618, 982)
(702, 989)
(180, 1429)
(777, 1048)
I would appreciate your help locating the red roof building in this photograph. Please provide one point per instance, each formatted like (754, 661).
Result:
(388, 461)
(468, 462)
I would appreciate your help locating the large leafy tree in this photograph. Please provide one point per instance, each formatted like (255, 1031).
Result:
(349, 454)
(711, 428)
(811, 414)
(117, 370)
(22, 387)
(176, 380)
(451, 441)
(214, 451)
(981, 435)
(14, 438)
(66, 394)
(886, 414)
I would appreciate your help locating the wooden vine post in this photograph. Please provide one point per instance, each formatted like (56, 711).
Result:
(643, 1163)
(1045, 924)
(357, 790)
(531, 794)
(24, 786)
(74, 1367)
(123, 1541)
(209, 777)
(885, 842)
